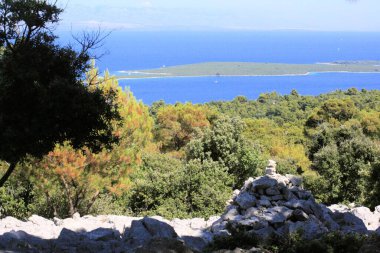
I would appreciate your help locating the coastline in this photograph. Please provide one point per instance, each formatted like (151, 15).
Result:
(201, 76)
(248, 69)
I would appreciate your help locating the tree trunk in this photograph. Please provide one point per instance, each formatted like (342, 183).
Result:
(11, 168)
(92, 201)
(72, 209)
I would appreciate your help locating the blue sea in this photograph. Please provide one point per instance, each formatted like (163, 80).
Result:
(144, 50)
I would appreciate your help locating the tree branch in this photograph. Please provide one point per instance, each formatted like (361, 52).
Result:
(5, 177)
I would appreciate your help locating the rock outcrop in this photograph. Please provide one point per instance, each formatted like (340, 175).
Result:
(267, 205)
(106, 233)
(277, 204)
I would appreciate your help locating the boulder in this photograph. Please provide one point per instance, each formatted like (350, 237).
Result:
(294, 180)
(10, 222)
(20, 241)
(328, 220)
(286, 212)
(349, 223)
(299, 204)
(40, 221)
(370, 219)
(88, 247)
(13, 240)
(264, 182)
(310, 229)
(103, 234)
(197, 244)
(253, 211)
(231, 214)
(272, 191)
(288, 194)
(160, 245)
(138, 235)
(120, 223)
(263, 233)
(277, 197)
(218, 226)
(254, 223)
(158, 229)
(245, 200)
(264, 203)
(222, 233)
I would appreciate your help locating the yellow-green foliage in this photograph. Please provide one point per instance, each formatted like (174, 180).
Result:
(370, 122)
(333, 111)
(82, 175)
(282, 143)
(177, 124)
(188, 150)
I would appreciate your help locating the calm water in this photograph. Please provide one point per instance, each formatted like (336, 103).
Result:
(144, 50)
(205, 89)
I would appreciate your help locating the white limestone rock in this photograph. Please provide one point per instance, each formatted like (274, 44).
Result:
(40, 221)
(271, 168)
(370, 219)
(10, 222)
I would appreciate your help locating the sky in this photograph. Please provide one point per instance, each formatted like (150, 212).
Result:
(235, 15)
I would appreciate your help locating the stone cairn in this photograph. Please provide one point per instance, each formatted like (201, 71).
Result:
(275, 204)
(267, 205)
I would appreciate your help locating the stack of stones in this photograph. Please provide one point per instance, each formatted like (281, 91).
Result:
(274, 204)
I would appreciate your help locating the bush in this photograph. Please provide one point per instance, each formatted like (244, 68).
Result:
(167, 187)
(17, 196)
(225, 143)
(333, 242)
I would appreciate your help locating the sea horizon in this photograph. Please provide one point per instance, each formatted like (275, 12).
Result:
(138, 50)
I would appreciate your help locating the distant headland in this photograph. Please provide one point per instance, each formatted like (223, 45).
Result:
(252, 69)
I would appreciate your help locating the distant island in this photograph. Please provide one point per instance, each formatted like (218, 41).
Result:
(252, 69)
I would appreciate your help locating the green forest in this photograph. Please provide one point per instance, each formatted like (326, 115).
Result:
(184, 160)
(73, 143)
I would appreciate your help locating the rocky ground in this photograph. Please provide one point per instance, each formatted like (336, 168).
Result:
(265, 205)
(106, 233)
(276, 204)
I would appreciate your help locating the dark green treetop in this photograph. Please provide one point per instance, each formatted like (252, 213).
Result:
(43, 99)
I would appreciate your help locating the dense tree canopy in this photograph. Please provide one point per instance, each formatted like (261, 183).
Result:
(169, 156)
(225, 143)
(43, 99)
(177, 124)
